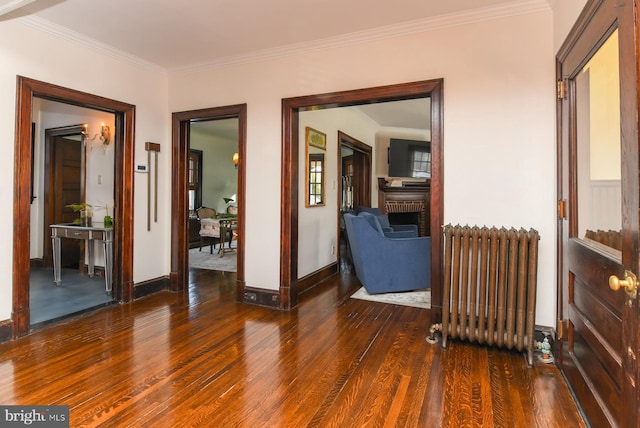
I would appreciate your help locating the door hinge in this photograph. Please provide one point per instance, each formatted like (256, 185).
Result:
(559, 330)
(561, 90)
(562, 209)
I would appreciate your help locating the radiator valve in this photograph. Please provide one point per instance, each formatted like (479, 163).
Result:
(435, 328)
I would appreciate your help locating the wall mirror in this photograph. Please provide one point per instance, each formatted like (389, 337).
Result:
(315, 150)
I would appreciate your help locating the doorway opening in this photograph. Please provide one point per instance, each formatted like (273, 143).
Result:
(121, 137)
(213, 194)
(65, 164)
(291, 107)
(185, 125)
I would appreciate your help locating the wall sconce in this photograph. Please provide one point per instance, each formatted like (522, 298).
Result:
(105, 135)
(236, 159)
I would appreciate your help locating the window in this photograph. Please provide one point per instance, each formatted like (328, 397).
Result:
(195, 181)
(421, 164)
(316, 184)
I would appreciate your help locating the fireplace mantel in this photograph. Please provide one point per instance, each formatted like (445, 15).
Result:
(406, 199)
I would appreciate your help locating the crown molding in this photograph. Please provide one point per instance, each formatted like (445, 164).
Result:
(522, 7)
(13, 5)
(87, 42)
(406, 28)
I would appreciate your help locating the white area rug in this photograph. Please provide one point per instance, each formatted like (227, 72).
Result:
(205, 260)
(418, 299)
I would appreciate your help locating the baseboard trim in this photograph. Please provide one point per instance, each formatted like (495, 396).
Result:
(6, 331)
(97, 270)
(307, 282)
(151, 286)
(36, 263)
(261, 297)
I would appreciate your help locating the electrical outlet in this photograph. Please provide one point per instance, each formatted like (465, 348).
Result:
(333, 250)
(250, 297)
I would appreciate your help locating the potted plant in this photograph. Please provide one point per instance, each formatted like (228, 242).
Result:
(231, 209)
(86, 212)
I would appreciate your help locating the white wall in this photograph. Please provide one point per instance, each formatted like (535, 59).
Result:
(318, 226)
(498, 125)
(33, 53)
(565, 13)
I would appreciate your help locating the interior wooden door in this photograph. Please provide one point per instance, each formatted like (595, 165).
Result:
(67, 178)
(64, 186)
(358, 167)
(598, 240)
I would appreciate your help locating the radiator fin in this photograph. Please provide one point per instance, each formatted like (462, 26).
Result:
(490, 277)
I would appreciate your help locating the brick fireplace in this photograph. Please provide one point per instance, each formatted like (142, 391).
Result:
(405, 201)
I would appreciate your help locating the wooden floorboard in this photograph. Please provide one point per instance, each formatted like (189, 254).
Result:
(198, 358)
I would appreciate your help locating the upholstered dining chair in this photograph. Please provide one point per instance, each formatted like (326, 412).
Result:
(209, 233)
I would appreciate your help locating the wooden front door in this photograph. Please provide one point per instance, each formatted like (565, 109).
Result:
(598, 211)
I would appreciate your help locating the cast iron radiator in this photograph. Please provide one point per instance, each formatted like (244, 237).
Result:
(489, 294)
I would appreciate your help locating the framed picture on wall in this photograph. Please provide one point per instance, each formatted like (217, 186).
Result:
(316, 138)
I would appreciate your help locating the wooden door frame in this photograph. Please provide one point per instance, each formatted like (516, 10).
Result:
(49, 135)
(288, 290)
(123, 139)
(364, 149)
(180, 183)
(365, 153)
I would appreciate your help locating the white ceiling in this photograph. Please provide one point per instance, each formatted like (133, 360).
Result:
(177, 34)
(180, 35)
(414, 114)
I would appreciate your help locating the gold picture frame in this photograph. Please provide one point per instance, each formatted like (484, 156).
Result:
(316, 138)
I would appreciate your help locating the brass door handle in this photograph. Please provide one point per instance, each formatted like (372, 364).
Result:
(629, 283)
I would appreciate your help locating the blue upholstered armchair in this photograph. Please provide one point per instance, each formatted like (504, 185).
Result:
(386, 264)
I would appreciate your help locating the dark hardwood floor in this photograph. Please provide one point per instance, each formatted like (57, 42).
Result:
(198, 358)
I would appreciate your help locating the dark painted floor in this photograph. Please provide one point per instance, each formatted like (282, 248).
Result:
(76, 294)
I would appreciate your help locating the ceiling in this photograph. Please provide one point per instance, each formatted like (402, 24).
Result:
(413, 114)
(176, 35)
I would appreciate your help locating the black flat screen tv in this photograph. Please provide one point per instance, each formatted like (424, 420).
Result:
(409, 158)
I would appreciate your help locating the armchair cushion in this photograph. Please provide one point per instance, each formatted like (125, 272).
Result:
(384, 264)
(374, 211)
(372, 220)
(383, 219)
(378, 222)
(411, 229)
